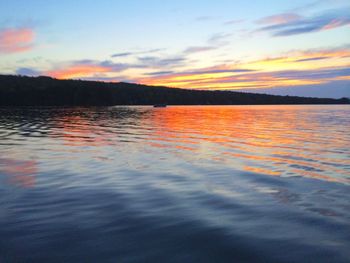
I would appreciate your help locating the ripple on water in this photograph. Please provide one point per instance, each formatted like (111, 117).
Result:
(180, 184)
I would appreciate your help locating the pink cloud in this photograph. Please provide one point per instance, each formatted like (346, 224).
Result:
(280, 18)
(86, 69)
(77, 71)
(15, 40)
(288, 24)
(336, 23)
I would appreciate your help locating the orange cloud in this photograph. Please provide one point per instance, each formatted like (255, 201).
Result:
(78, 71)
(87, 69)
(14, 40)
(294, 69)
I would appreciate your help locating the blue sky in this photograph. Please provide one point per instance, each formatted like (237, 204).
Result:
(260, 46)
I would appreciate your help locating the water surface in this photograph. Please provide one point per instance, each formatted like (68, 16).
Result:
(176, 184)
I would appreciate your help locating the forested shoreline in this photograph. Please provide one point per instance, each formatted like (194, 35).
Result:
(47, 91)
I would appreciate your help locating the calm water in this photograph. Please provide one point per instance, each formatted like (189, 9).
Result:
(176, 184)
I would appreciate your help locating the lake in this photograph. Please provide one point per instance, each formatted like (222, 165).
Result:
(175, 184)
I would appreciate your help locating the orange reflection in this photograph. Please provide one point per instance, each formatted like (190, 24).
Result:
(260, 139)
(19, 172)
(260, 170)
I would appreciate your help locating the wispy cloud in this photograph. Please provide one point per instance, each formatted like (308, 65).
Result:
(318, 74)
(331, 89)
(310, 59)
(126, 54)
(295, 68)
(104, 70)
(293, 24)
(77, 71)
(214, 42)
(160, 62)
(235, 80)
(219, 39)
(15, 40)
(28, 72)
(159, 73)
(317, 4)
(196, 49)
(335, 52)
(86, 68)
(233, 21)
(214, 71)
(279, 18)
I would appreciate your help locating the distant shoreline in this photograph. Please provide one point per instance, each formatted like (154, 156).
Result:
(47, 91)
(168, 106)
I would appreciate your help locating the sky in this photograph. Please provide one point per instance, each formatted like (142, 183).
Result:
(275, 47)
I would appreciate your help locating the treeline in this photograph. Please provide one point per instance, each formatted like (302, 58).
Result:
(46, 91)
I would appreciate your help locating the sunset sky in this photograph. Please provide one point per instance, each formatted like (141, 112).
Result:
(277, 47)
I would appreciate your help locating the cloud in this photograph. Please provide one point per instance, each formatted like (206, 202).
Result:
(187, 79)
(15, 40)
(319, 74)
(215, 41)
(116, 66)
(320, 54)
(126, 54)
(294, 68)
(234, 21)
(151, 61)
(27, 72)
(205, 71)
(310, 59)
(317, 4)
(262, 79)
(77, 71)
(279, 18)
(219, 39)
(104, 70)
(86, 68)
(158, 73)
(291, 24)
(196, 49)
(333, 89)
(213, 71)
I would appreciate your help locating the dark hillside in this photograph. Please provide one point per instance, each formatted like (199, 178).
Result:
(46, 91)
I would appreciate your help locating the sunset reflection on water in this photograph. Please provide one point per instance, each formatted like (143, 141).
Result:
(20, 173)
(143, 183)
(278, 141)
(272, 140)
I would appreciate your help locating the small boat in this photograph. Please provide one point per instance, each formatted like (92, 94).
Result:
(161, 105)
